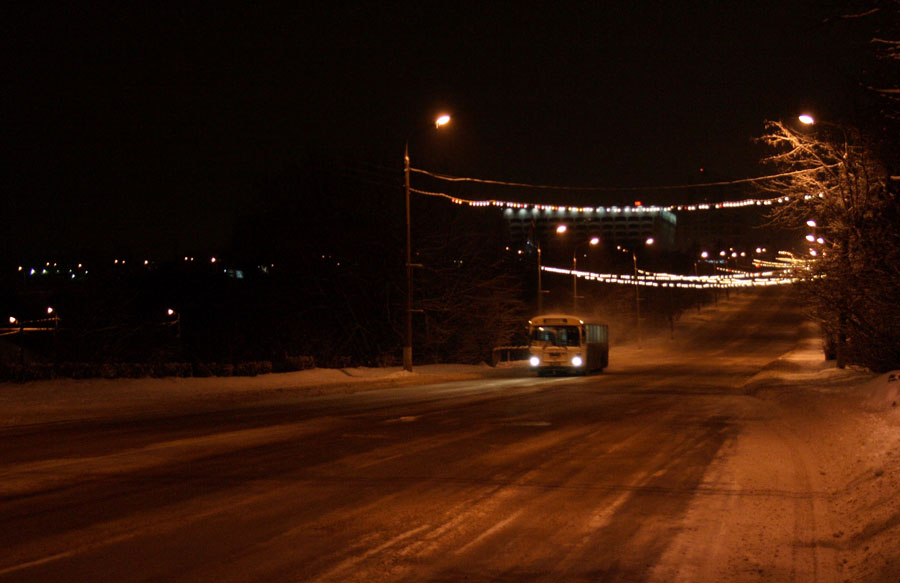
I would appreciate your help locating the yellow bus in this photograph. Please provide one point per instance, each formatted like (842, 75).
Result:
(567, 344)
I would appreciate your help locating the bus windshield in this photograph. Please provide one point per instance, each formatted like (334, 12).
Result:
(556, 335)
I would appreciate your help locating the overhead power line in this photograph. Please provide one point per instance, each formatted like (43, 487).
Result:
(450, 178)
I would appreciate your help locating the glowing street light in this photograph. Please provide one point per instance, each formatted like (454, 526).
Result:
(593, 242)
(806, 119)
(440, 122)
(561, 229)
(176, 321)
(637, 295)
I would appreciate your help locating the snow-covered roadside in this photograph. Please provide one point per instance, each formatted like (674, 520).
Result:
(851, 420)
(72, 399)
(821, 451)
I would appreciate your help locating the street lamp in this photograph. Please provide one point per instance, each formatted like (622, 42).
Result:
(592, 242)
(806, 119)
(176, 321)
(560, 230)
(441, 121)
(637, 297)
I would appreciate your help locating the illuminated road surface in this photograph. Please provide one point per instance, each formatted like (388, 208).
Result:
(631, 475)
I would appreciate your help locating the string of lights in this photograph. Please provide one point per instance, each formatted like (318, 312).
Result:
(601, 209)
(636, 208)
(651, 279)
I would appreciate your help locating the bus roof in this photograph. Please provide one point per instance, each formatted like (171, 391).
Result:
(561, 320)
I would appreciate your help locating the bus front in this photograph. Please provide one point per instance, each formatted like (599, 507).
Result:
(556, 345)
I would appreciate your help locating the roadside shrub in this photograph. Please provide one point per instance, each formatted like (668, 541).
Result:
(292, 363)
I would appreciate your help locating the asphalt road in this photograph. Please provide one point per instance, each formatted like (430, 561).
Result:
(506, 479)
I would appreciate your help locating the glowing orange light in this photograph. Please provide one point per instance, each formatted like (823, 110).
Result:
(561, 229)
(442, 120)
(807, 119)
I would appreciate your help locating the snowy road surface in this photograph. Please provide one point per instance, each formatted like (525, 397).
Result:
(679, 463)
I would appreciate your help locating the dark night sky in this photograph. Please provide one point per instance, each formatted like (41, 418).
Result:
(148, 129)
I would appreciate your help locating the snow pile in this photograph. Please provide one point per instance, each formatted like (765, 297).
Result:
(882, 392)
(71, 399)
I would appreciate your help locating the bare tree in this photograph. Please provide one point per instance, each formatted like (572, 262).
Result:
(467, 290)
(837, 185)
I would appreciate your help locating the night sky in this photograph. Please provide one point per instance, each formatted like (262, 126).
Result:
(151, 129)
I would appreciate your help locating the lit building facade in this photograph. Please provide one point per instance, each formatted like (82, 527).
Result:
(615, 226)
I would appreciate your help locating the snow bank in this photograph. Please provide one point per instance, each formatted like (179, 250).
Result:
(69, 399)
(882, 392)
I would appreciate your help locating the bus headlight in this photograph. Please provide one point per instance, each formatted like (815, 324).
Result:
(576, 361)
(535, 361)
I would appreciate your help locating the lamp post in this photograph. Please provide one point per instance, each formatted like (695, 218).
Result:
(407, 346)
(560, 230)
(540, 287)
(637, 296)
(593, 241)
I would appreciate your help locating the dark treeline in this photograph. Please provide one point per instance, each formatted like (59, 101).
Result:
(316, 268)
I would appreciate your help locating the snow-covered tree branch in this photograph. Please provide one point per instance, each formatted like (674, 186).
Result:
(851, 209)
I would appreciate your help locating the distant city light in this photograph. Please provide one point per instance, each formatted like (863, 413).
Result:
(561, 229)
(12, 320)
(704, 255)
(442, 120)
(650, 241)
(170, 311)
(811, 223)
(49, 309)
(213, 260)
(807, 119)
(594, 240)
